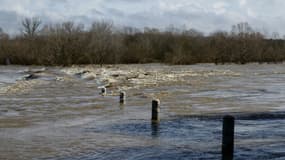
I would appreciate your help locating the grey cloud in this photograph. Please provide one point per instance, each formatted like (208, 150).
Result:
(9, 21)
(204, 15)
(96, 12)
(126, 1)
(113, 12)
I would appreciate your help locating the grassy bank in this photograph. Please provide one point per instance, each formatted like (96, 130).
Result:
(69, 43)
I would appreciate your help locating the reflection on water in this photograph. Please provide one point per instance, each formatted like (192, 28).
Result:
(155, 129)
(59, 113)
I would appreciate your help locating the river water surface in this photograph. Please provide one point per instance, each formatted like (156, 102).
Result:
(58, 113)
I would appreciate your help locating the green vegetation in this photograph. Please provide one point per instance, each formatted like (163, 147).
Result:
(69, 43)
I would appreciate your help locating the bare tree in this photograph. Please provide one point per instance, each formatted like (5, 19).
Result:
(130, 30)
(275, 35)
(3, 35)
(71, 28)
(101, 42)
(193, 33)
(242, 30)
(31, 26)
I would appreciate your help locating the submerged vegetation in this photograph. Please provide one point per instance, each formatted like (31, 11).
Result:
(69, 43)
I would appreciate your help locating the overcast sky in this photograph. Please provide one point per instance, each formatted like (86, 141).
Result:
(204, 15)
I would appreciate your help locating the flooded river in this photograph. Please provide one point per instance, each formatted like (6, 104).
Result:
(58, 113)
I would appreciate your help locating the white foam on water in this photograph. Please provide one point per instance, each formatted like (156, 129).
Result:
(21, 86)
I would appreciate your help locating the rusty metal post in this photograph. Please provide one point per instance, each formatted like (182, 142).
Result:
(122, 97)
(155, 110)
(103, 91)
(228, 138)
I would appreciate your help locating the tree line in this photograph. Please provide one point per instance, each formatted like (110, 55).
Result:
(103, 43)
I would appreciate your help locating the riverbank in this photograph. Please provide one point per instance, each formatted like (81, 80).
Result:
(69, 43)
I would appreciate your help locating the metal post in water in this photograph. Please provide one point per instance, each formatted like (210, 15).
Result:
(228, 138)
(103, 91)
(122, 97)
(155, 110)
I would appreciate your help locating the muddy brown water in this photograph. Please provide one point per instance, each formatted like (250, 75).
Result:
(58, 113)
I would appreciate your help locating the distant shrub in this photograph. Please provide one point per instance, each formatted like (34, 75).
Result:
(69, 43)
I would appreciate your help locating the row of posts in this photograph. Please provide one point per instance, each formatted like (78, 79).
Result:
(228, 125)
(122, 95)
